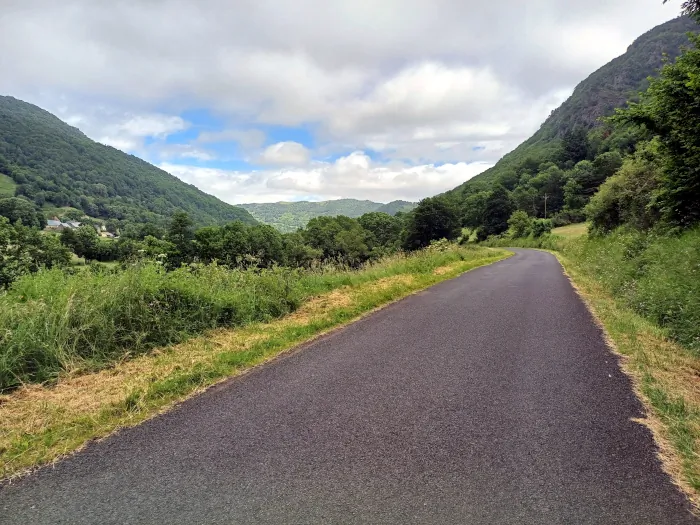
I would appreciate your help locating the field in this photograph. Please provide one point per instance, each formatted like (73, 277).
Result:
(572, 230)
(7, 186)
(112, 353)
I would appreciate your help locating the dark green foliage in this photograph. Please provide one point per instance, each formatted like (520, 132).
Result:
(541, 227)
(497, 211)
(338, 238)
(83, 241)
(575, 147)
(16, 209)
(181, 233)
(435, 218)
(290, 216)
(266, 245)
(670, 110)
(472, 208)
(519, 224)
(385, 229)
(629, 196)
(53, 163)
(25, 250)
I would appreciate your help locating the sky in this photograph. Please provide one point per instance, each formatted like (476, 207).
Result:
(262, 101)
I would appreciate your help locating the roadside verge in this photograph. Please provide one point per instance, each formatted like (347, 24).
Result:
(40, 423)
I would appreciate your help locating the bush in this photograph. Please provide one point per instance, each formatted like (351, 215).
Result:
(520, 224)
(541, 227)
(53, 320)
(657, 276)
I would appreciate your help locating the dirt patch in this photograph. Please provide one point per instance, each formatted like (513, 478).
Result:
(442, 270)
(390, 282)
(340, 298)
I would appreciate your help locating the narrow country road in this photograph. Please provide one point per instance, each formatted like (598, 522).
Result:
(488, 399)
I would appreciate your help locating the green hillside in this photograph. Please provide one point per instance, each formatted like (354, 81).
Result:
(55, 165)
(608, 88)
(290, 216)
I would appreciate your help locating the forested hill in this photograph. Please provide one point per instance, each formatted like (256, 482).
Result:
(55, 165)
(289, 216)
(608, 88)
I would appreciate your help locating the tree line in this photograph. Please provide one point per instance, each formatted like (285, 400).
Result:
(24, 248)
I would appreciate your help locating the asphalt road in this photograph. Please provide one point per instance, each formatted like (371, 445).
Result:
(488, 399)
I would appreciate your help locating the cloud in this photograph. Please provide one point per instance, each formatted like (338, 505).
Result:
(285, 154)
(418, 83)
(354, 176)
(119, 128)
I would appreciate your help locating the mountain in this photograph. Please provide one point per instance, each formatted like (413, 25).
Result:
(597, 96)
(289, 216)
(56, 165)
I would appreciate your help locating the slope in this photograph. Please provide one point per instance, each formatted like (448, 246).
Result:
(55, 164)
(608, 88)
(289, 216)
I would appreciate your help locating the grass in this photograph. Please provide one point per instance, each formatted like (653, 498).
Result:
(43, 422)
(7, 186)
(571, 230)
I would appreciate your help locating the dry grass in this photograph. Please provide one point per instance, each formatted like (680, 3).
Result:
(571, 230)
(442, 270)
(665, 375)
(42, 423)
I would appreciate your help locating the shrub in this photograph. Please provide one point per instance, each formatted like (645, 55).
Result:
(541, 227)
(520, 224)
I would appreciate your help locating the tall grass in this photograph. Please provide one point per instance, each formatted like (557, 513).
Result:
(657, 276)
(54, 321)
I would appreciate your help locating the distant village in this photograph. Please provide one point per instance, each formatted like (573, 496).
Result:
(57, 225)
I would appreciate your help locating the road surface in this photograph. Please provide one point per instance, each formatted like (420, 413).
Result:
(487, 399)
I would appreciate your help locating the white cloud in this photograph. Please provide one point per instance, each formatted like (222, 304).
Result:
(120, 129)
(285, 154)
(354, 175)
(420, 81)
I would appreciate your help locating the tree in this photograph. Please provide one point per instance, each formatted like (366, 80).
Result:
(352, 246)
(26, 250)
(434, 218)
(72, 215)
(16, 209)
(473, 209)
(690, 7)
(84, 241)
(180, 234)
(297, 253)
(497, 211)
(575, 146)
(606, 164)
(629, 196)
(519, 224)
(669, 110)
(385, 230)
(266, 244)
(574, 200)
